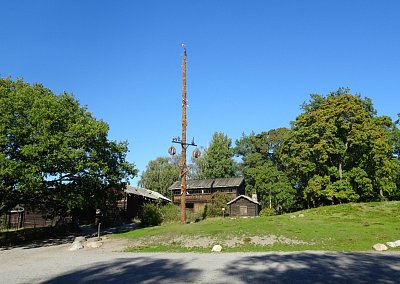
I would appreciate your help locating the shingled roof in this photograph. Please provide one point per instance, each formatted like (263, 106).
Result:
(209, 183)
(245, 197)
(145, 193)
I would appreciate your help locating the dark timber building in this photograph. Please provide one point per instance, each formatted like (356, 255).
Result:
(243, 206)
(199, 192)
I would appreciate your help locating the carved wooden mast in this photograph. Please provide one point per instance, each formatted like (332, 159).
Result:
(184, 146)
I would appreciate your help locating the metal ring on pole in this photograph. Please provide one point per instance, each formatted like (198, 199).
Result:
(172, 150)
(196, 154)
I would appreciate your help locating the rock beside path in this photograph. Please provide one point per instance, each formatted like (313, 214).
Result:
(94, 244)
(82, 242)
(394, 244)
(380, 247)
(216, 248)
(77, 245)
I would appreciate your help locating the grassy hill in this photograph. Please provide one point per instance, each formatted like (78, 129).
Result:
(348, 227)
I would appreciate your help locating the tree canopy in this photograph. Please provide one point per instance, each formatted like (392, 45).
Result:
(338, 150)
(160, 174)
(260, 167)
(217, 160)
(53, 153)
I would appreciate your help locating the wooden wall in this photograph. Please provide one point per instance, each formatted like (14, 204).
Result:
(243, 207)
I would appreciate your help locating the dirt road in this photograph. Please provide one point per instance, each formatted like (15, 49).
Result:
(55, 264)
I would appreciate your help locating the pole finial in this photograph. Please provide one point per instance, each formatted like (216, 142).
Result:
(184, 47)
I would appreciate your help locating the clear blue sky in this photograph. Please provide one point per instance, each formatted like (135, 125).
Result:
(250, 63)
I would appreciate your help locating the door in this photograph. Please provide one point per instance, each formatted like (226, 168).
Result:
(243, 210)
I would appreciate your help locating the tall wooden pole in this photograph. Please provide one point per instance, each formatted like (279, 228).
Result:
(183, 158)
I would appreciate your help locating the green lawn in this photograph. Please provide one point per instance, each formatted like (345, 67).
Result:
(349, 227)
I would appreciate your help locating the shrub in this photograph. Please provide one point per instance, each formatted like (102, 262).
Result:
(267, 212)
(171, 213)
(218, 201)
(151, 215)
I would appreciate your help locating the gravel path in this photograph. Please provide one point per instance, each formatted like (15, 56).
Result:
(56, 264)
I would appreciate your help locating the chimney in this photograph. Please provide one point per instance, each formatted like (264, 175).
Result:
(254, 197)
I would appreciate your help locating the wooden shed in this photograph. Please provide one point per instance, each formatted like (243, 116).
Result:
(243, 206)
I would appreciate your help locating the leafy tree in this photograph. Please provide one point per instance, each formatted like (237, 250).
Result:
(260, 166)
(272, 186)
(217, 160)
(396, 142)
(151, 215)
(338, 150)
(218, 201)
(54, 151)
(256, 149)
(160, 174)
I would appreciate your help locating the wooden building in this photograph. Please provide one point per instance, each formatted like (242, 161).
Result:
(243, 206)
(134, 199)
(199, 191)
(19, 217)
(127, 208)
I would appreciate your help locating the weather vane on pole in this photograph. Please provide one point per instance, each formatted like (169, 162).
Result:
(182, 141)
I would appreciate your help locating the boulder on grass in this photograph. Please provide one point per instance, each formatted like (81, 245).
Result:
(394, 244)
(216, 248)
(380, 247)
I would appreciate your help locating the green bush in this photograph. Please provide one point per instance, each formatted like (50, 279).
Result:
(267, 212)
(218, 201)
(171, 213)
(151, 215)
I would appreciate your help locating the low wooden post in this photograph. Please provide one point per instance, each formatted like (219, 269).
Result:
(98, 232)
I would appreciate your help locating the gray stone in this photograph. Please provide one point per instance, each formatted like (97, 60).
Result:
(80, 239)
(380, 247)
(95, 244)
(394, 244)
(216, 248)
(76, 246)
(301, 215)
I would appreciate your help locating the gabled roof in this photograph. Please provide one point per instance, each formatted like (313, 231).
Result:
(243, 196)
(145, 193)
(209, 183)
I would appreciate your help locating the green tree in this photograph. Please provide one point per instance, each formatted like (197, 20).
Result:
(255, 149)
(260, 166)
(217, 160)
(218, 200)
(338, 150)
(396, 142)
(272, 187)
(54, 151)
(160, 174)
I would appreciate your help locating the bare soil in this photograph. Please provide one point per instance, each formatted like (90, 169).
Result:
(205, 242)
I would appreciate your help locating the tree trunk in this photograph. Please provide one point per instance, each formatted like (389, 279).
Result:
(270, 200)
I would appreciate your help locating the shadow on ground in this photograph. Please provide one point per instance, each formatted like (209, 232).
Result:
(237, 268)
(86, 231)
(317, 268)
(131, 270)
(38, 243)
